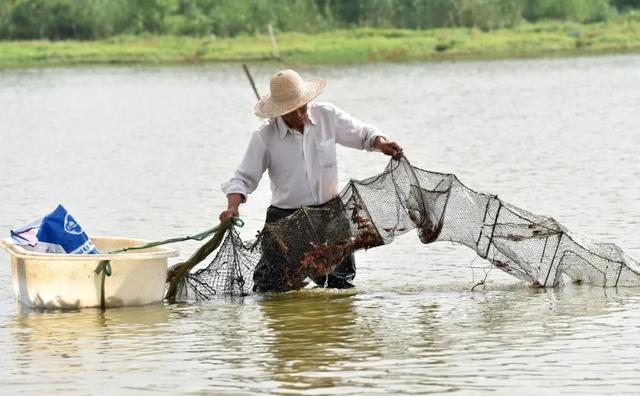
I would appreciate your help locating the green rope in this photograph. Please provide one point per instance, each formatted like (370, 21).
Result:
(104, 268)
(177, 274)
(179, 271)
(197, 237)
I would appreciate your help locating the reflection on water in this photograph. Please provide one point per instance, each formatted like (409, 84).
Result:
(58, 346)
(310, 333)
(141, 152)
(313, 341)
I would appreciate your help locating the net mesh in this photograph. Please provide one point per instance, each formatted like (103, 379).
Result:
(372, 212)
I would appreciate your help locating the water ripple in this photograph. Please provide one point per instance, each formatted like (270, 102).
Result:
(141, 152)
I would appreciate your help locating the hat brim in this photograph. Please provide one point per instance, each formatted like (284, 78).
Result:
(269, 108)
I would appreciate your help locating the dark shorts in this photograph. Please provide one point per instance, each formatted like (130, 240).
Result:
(267, 279)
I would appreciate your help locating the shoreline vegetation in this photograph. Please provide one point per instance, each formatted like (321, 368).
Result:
(43, 33)
(360, 45)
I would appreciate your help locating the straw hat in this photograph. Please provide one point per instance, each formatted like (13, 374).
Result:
(288, 92)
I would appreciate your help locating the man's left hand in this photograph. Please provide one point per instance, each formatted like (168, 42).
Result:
(387, 147)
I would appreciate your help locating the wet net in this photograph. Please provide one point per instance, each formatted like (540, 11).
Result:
(372, 212)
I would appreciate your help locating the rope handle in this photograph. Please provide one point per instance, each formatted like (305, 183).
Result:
(103, 270)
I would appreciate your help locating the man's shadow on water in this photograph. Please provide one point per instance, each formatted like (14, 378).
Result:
(314, 331)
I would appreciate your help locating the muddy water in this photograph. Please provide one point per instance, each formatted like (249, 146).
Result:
(141, 152)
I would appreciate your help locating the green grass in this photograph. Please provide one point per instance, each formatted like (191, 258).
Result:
(336, 47)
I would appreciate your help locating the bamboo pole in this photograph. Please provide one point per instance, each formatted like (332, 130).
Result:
(253, 84)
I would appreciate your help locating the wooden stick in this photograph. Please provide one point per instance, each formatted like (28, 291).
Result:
(253, 84)
(274, 43)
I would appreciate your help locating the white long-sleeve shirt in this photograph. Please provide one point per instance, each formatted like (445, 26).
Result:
(302, 166)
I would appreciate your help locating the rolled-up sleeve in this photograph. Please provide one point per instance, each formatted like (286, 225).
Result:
(247, 177)
(351, 132)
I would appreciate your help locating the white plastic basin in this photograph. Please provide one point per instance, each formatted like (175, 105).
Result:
(46, 280)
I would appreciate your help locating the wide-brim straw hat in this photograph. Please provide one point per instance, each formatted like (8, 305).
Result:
(288, 92)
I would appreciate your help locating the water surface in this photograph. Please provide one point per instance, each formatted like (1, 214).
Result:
(141, 152)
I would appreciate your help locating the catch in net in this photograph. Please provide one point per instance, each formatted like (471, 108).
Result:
(372, 212)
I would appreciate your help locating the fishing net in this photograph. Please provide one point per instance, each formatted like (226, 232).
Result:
(372, 212)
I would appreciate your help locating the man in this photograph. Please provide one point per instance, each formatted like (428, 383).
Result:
(298, 148)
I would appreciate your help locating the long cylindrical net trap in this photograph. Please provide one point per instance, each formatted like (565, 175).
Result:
(372, 212)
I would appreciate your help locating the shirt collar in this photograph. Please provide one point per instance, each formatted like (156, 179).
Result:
(283, 128)
(311, 118)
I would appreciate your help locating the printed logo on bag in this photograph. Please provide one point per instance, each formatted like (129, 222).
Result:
(71, 225)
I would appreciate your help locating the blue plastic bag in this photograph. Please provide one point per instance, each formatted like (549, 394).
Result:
(60, 231)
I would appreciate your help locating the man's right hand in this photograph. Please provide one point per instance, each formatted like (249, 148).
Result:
(233, 203)
(229, 213)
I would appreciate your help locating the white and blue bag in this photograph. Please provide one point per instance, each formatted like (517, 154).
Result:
(57, 232)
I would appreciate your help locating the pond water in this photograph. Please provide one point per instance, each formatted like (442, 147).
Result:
(141, 152)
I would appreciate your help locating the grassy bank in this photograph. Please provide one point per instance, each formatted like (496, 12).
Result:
(345, 46)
